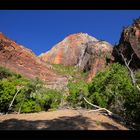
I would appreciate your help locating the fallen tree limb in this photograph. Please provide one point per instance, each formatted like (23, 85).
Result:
(115, 116)
(98, 108)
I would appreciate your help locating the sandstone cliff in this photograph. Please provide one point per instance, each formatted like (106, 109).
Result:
(130, 44)
(23, 61)
(80, 50)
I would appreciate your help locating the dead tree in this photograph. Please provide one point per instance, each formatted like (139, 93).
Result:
(127, 64)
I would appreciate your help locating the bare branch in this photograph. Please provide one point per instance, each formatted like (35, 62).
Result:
(127, 65)
(10, 106)
(115, 116)
(130, 59)
(98, 108)
(138, 87)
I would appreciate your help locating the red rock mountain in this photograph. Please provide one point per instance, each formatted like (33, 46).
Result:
(22, 60)
(81, 50)
(130, 44)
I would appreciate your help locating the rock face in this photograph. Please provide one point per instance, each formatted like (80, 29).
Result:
(130, 44)
(23, 61)
(81, 50)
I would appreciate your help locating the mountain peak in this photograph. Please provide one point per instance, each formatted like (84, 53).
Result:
(81, 50)
(80, 35)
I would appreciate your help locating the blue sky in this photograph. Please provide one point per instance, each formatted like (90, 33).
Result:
(39, 30)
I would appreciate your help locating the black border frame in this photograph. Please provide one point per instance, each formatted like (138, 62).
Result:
(69, 4)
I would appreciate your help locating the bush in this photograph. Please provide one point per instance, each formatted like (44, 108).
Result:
(65, 70)
(30, 106)
(76, 93)
(4, 73)
(24, 97)
(132, 105)
(48, 98)
(137, 75)
(41, 100)
(7, 92)
(32, 97)
(112, 88)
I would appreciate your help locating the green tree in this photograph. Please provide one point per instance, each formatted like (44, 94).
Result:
(48, 98)
(30, 106)
(77, 90)
(7, 91)
(112, 88)
(25, 96)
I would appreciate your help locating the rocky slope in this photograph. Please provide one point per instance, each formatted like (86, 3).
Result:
(130, 44)
(81, 50)
(22, 60)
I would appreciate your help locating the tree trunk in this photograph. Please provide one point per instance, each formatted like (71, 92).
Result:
(9, 108)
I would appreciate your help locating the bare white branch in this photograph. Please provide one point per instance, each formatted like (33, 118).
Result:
(128, 67)
(98, 108)
(130, 59)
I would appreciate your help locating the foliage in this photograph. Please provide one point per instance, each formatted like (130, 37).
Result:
(48, 98)
(30, 106)
(7, 91)
(9, 82)
(76, 92)
(72, 71)
(137, 75)
(32, 97)
(133, 102)
(40, 97)
(24, 99)
(62, 69)
(8, 87)
(132, 105)
(112, 88)
(4, 73)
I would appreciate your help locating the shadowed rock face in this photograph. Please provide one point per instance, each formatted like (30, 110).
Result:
(130, 44)
(81, 50)
(23, 61)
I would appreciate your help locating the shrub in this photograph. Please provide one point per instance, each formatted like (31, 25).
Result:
(4, 73)
(48, 98)
(8, 87)
(132, 105)
(137, 75)
(7, 92)
(30, 106)
(76, 93)
(66, 70)
(112, 88)
(32, 97)
(43, 98)
(24, 97)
